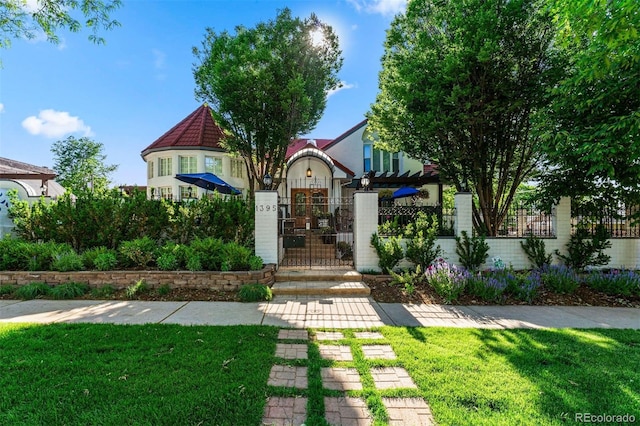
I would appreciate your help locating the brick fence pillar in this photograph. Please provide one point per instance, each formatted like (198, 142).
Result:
(365, 224)
(266, 226)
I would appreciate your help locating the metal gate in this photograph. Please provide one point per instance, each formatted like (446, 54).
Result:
(315, 230)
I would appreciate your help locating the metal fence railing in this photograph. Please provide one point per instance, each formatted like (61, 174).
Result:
(523, 220)
(393, 219)
(619, 222)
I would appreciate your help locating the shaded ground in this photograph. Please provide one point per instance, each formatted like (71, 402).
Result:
(383, 291)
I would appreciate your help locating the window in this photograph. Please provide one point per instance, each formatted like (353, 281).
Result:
(213, 165)
(188, 192)
(379, 160)
(166, 192)
(164, 167)
(237, 166)
(188, 165)
(150, 170)
(367, 157)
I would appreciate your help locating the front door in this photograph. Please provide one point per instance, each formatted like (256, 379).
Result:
(308, 204)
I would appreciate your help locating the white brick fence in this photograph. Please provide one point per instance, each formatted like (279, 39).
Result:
(624, 252)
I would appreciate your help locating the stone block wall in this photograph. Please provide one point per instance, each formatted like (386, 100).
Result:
(226, 281)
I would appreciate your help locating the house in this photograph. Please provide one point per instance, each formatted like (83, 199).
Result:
(31, 183)
(315, 168)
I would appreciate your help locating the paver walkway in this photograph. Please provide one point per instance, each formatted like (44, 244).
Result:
(344, 410)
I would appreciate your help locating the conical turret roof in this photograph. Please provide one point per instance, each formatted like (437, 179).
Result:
(197, 131)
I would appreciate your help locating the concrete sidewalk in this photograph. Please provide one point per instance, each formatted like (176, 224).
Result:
(314, 312)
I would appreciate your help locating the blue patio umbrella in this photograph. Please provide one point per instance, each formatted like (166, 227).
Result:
(208, 181)
(405, 191)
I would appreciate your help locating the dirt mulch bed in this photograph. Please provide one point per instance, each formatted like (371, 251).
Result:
(383, 291)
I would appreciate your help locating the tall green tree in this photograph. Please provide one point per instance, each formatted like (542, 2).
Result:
(460, 83)
(22, 19)
(80, 165)
(267, 85)
(592, 126)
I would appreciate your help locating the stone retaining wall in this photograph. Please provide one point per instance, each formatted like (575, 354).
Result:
(230, 281)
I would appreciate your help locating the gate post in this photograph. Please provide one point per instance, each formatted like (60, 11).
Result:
(266, 226)
(365, 224)
(464, 214)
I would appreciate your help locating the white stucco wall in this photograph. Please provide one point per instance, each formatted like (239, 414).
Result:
(175, 154)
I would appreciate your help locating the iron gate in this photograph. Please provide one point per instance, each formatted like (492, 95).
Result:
(315, 230)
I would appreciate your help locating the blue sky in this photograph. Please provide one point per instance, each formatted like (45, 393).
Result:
(127, 93)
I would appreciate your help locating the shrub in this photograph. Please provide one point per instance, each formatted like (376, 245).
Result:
(194, 263)
(473, 252)
(526, 288)
(13, 254)
(167, 262)
(408, 279)
(617, 282)
(40, 256)
(236, 257)
(421, 245)
(255, 263)
(106, 261)
(69, 290)
(255, 293)
(6, 289)
(447, 280)
(559, 278)
(67, 262)
(136, 289)
(535, 250)
(389, 252)
(89, 256)
(209, 251)
(164, 289)
(32, 290)
(105, 291)
(584, 249)
(140, 252)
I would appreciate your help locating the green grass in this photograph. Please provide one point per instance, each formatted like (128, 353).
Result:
(121, 375)
(80, 374)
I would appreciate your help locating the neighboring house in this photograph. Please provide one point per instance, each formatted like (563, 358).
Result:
(31, 182)
(330, 167)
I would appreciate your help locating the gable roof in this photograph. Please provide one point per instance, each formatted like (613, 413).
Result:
(346, 134)
(197, 131)
(302, 147)
(12, 169)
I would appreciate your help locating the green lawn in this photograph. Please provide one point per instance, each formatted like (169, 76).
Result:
(166, 374)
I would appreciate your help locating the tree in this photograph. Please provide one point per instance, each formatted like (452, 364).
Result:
(267, 85)
(592, 126)
(459, 85)
(80, 165)
(22, 19)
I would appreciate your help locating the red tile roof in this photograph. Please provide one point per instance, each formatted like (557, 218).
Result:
(298, 144)
(197, 130)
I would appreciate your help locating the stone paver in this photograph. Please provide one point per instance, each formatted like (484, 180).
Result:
(408, 411)
(368, 335)
(285, 411)
(288, 377)
(336, 352)
(391, 378)
(329, 335)
(346, 412)
(291, 350)
(293, 335)
(341, 379)
(378, 352)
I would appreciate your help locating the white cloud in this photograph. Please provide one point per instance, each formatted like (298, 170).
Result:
(383, 7)
(53, 124)
(343, 86)
(1, 107)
